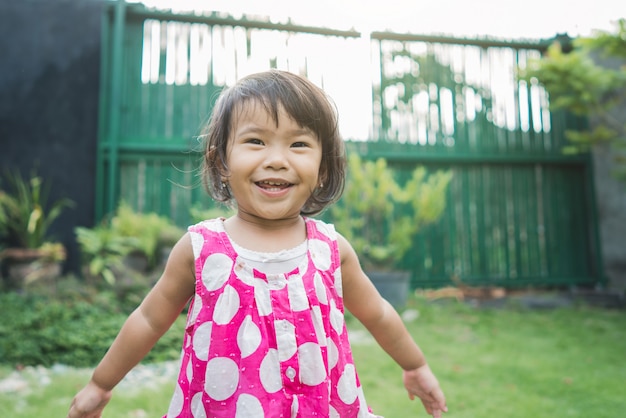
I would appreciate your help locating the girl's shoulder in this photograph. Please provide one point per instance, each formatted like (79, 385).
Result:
(208, 235)
(317, 226)
(215, 224)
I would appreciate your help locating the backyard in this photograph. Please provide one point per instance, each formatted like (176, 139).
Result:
(129, 89)
(507, 361)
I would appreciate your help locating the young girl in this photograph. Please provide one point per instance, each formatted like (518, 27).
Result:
(265, 333)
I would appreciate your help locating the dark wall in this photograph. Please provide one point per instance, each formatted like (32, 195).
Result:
(49, 81)
(611, 193)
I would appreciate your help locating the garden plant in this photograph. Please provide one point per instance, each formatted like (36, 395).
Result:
(588, 79)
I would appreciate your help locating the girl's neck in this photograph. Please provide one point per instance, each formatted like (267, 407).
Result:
(266, 235)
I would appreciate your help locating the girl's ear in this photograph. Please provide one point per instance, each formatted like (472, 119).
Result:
(322, 178)
(220, 164)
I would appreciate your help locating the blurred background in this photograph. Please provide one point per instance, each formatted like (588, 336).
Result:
(64, 89)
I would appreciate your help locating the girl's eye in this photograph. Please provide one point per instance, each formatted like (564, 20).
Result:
(254, 141)
(299, 144)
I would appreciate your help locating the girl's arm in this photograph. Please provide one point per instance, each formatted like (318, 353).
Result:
(141, 331)
(363, 300)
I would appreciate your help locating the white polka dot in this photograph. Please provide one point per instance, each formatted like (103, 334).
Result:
(346, 387)
(222, 378)
(216, 271)
(197, 306)
(189, 371)
(226, 306)
(320, 289)
(270, 372)
(338, 283)
(285, 339)
(321, 253)
(312, 370)
(362, 403)
(248, 406)
(201, 340)
(197, 406)
(336, 318)
(295, 406)
(244, 274)
(297, 295)
(318, 324)
(333, 354)
(333, 412)
(248, 337)
(326, 229)
(197, 242)
(176, 404)
(262, 298)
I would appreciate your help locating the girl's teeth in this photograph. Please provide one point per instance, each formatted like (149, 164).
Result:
(273, 186)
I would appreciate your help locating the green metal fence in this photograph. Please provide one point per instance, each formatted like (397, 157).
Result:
(520, 212)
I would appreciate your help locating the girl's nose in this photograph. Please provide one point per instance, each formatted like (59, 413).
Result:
(276, 158)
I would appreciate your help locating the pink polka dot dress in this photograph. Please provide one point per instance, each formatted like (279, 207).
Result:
(266, 345)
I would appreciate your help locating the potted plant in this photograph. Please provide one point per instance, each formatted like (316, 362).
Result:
(103, 251)
(380, 217)
(154, 235)
(29, 253)
(129, 242)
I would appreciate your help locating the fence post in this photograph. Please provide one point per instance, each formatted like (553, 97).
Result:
(107, 179)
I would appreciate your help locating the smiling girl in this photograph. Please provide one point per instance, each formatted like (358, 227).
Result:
(267, 287)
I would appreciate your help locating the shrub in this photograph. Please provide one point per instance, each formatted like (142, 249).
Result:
(150, 231)
(380, 216)
(25, 213)
(109, 247)
(75, 328)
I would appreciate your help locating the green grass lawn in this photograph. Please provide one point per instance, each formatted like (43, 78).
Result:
(510, 363)
(513, 362)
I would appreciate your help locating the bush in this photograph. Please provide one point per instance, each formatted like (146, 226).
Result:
(150, 231)
(74, 329)
(580, 79)
(130, 242)
(25, 213)
(380, 216)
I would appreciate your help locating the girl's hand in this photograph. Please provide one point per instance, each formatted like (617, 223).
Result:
(89, 402)
(421, 382)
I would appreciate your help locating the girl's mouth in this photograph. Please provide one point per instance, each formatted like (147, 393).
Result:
(273, 185)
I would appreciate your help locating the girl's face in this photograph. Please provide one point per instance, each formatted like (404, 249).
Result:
(273, 169)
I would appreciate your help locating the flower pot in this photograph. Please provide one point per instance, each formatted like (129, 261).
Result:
(136, 261)
(392, 285)
(27, 268)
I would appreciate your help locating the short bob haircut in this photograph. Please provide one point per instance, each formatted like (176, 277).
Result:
(304, 102)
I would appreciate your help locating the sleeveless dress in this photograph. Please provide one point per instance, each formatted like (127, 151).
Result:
(266, 345)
